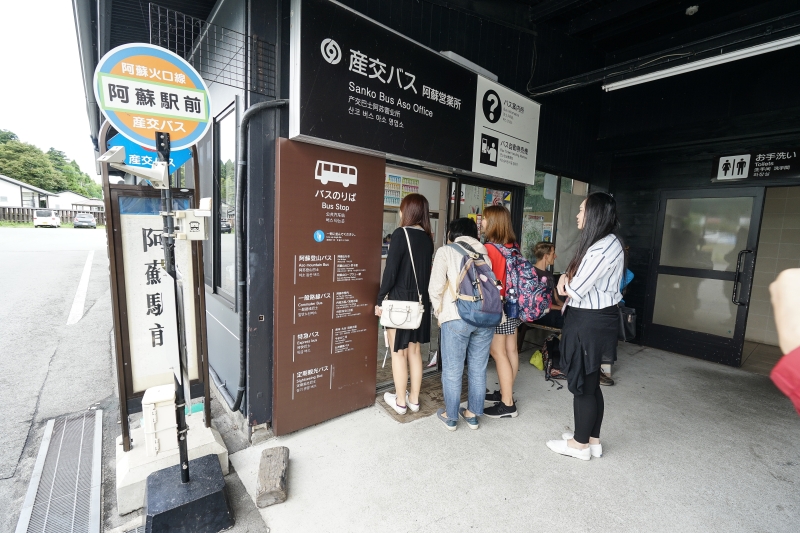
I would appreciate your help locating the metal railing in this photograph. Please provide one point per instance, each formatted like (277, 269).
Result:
(220, 55)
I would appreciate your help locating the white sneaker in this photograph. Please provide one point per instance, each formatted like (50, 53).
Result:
(561, 446)
(596, 449)
(413, 406)
(391, 400)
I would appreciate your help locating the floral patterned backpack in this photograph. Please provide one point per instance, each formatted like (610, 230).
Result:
(533, 295)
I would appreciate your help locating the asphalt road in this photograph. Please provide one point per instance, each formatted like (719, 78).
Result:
(56, 359)
(47, 368)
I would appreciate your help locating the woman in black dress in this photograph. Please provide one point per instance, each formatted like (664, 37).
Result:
(399, 283)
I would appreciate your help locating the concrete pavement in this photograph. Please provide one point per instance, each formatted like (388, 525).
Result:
(688, 446)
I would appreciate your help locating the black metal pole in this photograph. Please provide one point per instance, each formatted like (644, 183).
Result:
(168, 240)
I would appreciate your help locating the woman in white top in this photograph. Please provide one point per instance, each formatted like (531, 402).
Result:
(591, 322)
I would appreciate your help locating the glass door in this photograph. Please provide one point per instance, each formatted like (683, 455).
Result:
(400, 182)
(476, 196)
(699, 292)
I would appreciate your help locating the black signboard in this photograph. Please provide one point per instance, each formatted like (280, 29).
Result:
(771, 165)
(362, 84)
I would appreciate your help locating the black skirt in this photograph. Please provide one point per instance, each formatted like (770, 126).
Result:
(588, 339)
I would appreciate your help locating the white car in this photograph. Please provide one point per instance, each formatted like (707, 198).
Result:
(46, 217)
(344, 174)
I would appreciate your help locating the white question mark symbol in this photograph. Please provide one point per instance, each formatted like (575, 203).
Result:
(494, 102)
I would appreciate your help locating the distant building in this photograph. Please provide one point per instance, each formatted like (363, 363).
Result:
(14, 193)
(75, 202)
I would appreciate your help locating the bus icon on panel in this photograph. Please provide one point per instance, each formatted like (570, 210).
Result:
(344, 174)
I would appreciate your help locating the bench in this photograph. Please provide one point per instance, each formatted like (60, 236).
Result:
(523, 330)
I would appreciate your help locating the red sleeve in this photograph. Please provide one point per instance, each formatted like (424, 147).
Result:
(498, 265)
(786, 376)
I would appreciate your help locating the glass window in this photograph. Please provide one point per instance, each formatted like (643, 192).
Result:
(695, 304)
(475, 198)
(705, 233)
(537, 215)
(570, 196)
(225, 129)
(29, 199)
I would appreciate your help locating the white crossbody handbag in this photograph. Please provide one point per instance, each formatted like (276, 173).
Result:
(402, 314)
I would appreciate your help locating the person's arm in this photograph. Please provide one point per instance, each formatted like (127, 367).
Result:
(558, 303)
(497, 261)
(393, 261)
(784, 291)
(438, 282)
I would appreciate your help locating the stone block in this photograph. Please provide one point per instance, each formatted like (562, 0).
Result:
(271, 487)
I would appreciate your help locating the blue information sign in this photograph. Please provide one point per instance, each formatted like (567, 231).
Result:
(139, 156)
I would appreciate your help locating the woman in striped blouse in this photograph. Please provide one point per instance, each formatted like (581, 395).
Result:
(591, 322)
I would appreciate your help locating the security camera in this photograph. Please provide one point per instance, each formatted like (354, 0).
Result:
(157, 175)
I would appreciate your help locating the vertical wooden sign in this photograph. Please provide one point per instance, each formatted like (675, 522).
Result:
(329, 206)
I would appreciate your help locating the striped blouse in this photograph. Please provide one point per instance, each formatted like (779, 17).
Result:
(596, 284)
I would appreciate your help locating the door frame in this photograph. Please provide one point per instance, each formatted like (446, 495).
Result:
(696, 344)
(449, 179)
(517, 198)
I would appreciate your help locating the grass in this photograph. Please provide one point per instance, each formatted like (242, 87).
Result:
(10, 224)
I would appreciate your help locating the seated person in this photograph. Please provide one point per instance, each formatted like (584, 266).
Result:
(545, 254)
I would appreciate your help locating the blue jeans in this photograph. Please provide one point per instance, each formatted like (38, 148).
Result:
(461, 342)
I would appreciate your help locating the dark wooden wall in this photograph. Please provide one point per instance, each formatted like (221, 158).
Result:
(665, 135)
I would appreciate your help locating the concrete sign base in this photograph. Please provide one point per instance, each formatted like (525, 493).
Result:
(134, 466)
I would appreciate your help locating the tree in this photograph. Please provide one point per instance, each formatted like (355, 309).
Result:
(26, 163)
(6, 136)
(76, 180)
(51, 171)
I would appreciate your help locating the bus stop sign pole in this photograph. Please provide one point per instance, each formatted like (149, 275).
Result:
(202, 505)
(168, 239)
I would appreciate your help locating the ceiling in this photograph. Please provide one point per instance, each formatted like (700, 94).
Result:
(615, 27)
(647, 26)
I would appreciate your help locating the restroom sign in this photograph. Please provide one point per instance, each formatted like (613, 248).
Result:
(734, 167)
(142, 89)
(773, 164)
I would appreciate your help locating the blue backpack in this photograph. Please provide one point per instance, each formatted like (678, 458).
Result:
(478, 292)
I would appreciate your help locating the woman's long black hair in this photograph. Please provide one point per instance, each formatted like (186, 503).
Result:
(599, 220)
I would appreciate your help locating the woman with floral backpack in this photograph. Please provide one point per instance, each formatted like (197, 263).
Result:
(498, 232)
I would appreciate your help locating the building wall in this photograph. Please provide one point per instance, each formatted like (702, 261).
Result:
(11, 193)
(71, 200)
(666, 135)
(778, 249)
(223, 345)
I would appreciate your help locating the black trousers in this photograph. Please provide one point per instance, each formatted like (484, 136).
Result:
(588, 408)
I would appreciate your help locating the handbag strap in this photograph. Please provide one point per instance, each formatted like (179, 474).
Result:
(414, 268)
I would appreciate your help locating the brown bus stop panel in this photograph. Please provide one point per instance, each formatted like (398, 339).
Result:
(329, 214)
